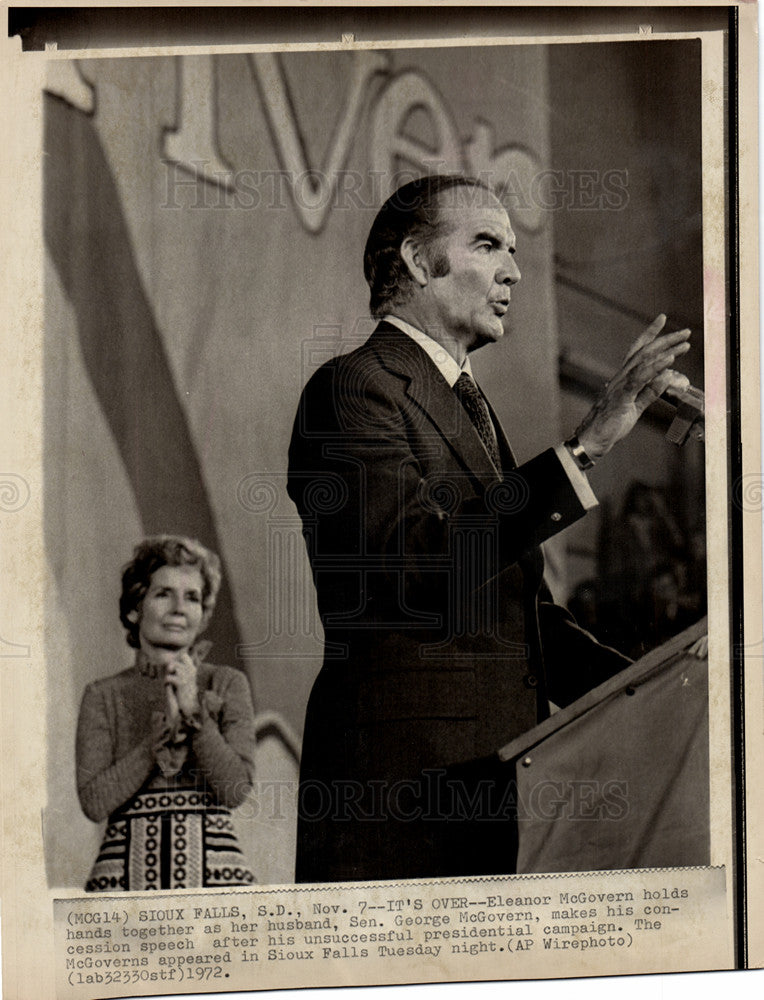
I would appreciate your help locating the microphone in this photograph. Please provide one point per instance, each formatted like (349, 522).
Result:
(690, 414)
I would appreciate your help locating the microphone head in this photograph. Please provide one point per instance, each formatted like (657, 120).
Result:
(690, 413)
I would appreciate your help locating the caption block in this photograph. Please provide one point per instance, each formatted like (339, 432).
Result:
(507, 928)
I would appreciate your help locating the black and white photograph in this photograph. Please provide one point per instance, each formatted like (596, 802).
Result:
(389, 489)
(255, 345)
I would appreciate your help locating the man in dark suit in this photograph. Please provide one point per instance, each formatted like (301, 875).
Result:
(442, 641)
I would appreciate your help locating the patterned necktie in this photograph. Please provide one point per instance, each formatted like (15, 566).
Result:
(472, 400)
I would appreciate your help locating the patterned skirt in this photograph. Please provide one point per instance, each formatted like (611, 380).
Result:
(174, 839)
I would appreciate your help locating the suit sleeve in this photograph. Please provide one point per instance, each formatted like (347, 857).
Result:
(575, 661)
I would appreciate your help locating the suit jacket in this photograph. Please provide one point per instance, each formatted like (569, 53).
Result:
(441, 640)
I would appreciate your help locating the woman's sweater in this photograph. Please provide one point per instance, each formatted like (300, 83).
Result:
(124, 742)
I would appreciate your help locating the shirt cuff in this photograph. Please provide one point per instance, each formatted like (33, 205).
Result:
(577, 478)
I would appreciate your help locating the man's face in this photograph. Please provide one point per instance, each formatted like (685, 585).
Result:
(478, 245)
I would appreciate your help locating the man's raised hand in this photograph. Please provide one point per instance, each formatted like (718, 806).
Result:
(645, 375)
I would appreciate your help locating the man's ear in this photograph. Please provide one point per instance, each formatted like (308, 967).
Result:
(415, 260)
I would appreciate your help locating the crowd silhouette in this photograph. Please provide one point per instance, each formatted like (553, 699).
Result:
(651, 581)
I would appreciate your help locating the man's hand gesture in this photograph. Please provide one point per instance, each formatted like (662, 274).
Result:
(644, 376)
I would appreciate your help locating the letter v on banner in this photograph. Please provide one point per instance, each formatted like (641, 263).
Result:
(316, 183)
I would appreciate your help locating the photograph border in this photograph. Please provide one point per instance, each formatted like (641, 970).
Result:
(744, 517)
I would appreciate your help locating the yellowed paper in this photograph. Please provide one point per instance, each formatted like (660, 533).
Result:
(179, 124)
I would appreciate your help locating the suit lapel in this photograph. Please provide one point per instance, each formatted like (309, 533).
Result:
(432, 394)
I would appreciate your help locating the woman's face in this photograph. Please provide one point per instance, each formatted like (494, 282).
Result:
(170, 614)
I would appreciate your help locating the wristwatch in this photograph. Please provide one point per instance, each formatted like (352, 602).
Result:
(578, 454)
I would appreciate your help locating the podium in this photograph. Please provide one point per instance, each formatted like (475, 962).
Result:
(620, 778)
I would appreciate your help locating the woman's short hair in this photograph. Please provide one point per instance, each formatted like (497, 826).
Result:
(166, 550)
(412, 210)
